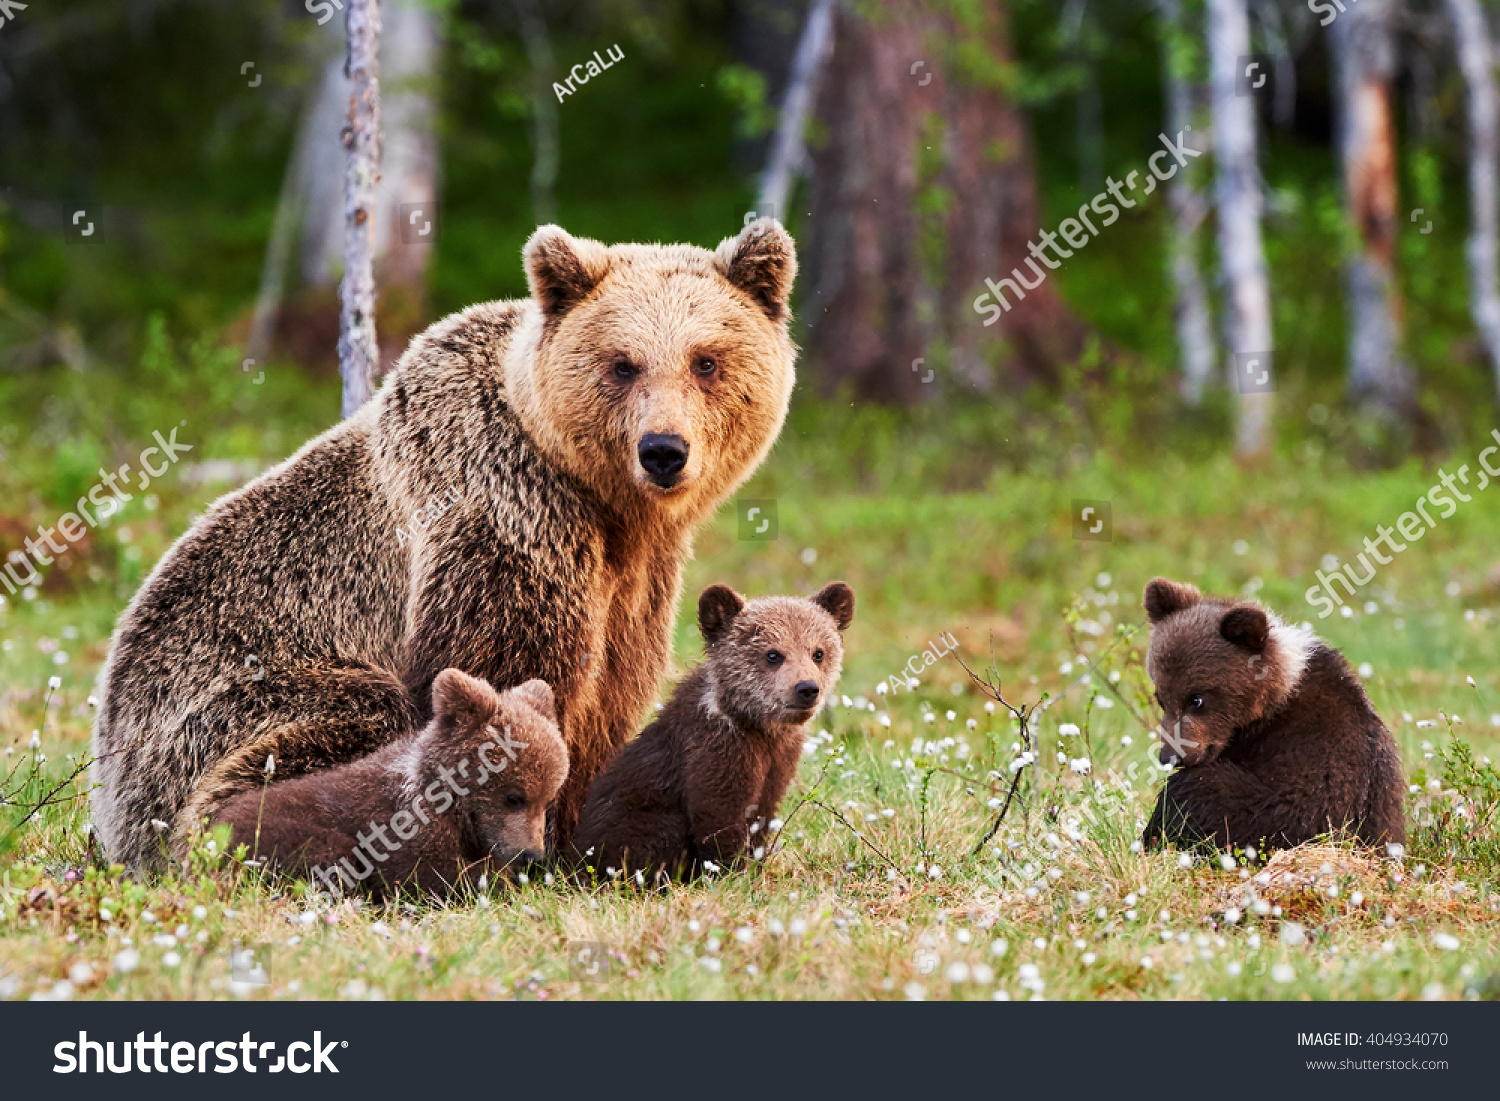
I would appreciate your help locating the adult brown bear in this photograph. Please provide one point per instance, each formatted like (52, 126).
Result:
(517, 502)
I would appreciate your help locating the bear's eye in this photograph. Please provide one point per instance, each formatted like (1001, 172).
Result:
(515, 801)
(623, 368)
(818, 656)
(1195, 703)
(775, 657)
(705, 366)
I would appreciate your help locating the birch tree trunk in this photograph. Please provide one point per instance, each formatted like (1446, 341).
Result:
(1476, 62)
(358, 350)
(544, 142)
(1365, 61)
(788, 156)
(1195, 340)
(1242, 259)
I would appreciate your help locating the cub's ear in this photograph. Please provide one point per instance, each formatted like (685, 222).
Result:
(762, 262)
(717, 608)
(462, 700)
(1165, 597)
(1246, 626)
(562, 269)
(537, 695)
(837, 599)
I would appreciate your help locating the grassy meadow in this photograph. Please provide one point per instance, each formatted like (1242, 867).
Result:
(884, 881)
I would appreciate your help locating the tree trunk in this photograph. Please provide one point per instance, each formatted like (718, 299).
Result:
(544, 140)
(788, 154)
(358, 350)
(1195, 341)
(407, 222)
(1365, 62)
(1476, 61)
(922, 189)
(1242, 259)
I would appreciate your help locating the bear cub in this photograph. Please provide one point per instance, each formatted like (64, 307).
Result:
(467, 794)
(1276, 739)
(704, 779)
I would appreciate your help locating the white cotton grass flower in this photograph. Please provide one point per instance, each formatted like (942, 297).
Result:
(1292, 934)
(1081, 765)
(1446, 941)
(1283, 973)
(881, 689)
(271, 768)
(36, 740)
(158, 825)
(1068, 730)
(989, 708)
(54, 683)
(1104, 703)
(1366, 670)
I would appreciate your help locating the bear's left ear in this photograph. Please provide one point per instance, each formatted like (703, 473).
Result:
(1246, 626)
(562, 269)
(762, 262)
(717, 608)
(537, 695)
(837, 599)
(462, 700)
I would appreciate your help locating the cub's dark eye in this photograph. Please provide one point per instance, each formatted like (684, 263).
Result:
(775, 657)
(705, 366)
(1195, 703)
(515, 801)
(623, 368)
(818, 656)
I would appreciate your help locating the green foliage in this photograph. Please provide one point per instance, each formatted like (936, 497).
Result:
(745, 89)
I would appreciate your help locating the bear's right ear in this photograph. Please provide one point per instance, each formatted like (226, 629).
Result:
(837, 599)
(462, 700)
(717, 608)
(762, 262)
(537, 695)
(1164, 597)
(562, 269)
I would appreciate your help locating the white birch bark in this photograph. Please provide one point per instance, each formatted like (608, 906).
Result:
(1242, 260)
(1476, 62)
(787, 153)
(358, 351)
(1195, 340)
(544, 140)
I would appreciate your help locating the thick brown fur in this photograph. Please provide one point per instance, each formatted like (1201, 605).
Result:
(487, 510)
(1279, 743)
(466, 796)
(703, 780)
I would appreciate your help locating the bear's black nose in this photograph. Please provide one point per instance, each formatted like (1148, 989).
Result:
(807, 693)
(662, 457)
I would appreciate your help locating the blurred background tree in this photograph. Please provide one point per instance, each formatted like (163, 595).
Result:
(940, 138)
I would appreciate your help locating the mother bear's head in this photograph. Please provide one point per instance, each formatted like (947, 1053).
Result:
(659, 375)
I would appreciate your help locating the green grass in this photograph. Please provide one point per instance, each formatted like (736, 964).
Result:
(955, 531)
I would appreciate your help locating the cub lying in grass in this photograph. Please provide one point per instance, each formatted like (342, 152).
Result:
(467, 794)
(703, 780)
(1277, 740)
